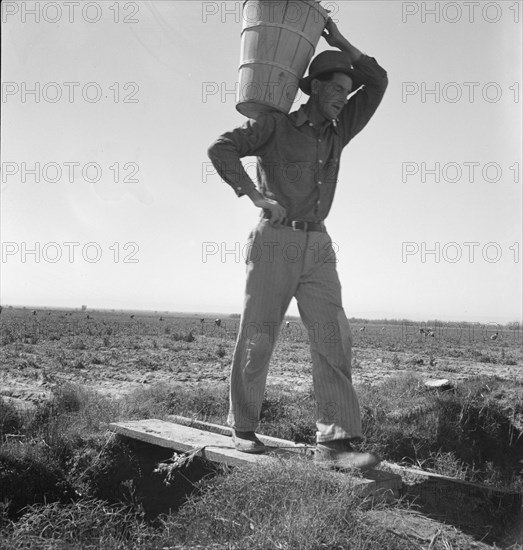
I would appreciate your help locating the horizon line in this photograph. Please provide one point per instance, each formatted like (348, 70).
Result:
(237, 315)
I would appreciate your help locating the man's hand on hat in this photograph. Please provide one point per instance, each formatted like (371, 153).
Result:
(333, 37)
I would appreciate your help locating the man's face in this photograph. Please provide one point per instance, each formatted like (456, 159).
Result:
(332, 95)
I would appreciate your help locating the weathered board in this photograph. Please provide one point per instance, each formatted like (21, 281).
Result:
(225, 430)
(216, 447)
(219, 448)
(426, 485)
(450, 493)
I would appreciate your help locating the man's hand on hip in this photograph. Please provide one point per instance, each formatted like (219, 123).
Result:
(275, 211)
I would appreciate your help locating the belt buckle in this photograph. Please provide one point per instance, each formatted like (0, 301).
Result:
(294, 228)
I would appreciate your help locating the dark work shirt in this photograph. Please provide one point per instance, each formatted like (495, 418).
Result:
(298, 163)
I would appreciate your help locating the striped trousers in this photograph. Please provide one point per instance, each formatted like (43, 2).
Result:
(282, 263)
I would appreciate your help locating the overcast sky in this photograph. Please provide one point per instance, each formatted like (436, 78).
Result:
(108, 109)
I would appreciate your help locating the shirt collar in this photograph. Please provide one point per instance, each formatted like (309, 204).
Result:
(300, 117)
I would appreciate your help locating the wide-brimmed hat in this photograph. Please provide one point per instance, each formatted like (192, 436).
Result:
(330, 61)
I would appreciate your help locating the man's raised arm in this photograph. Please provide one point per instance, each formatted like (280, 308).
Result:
(369, 73)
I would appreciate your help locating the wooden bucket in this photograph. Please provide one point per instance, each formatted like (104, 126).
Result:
(279, 38)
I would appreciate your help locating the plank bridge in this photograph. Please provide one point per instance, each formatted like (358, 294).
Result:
(213, 442)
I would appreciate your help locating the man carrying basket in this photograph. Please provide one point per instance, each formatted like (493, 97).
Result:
(290, 250)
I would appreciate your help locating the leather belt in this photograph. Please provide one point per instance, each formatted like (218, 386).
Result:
(301, 226)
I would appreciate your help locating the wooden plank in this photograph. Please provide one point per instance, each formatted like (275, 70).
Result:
(428, 484)
(385, 481)
(431, 487)
(225, 430)
(219, 448)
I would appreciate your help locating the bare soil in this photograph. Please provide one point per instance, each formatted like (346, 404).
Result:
(114, 354)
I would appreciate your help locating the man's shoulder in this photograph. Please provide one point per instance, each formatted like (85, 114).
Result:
(272, 115)
(295, 118)
(271, 119)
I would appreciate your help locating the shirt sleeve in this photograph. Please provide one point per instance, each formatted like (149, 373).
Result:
(248, 140)
(363, 104)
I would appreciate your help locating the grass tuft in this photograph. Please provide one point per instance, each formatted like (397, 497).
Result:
(11, 420)
(287, 504)
(88, 523)
(467, 432)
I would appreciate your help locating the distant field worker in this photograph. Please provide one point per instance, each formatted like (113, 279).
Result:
(290, 250)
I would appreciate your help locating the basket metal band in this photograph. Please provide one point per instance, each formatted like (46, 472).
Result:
(313, 4)
(272, 63)
(280, 26)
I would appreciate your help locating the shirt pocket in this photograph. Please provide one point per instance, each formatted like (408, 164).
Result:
(298, 176)
(331, 170)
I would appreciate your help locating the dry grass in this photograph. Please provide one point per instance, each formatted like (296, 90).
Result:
(287, 504)
(81, 525)
(470, 433)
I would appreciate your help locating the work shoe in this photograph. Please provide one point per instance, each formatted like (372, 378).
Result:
(340, 454)
(247, 442)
